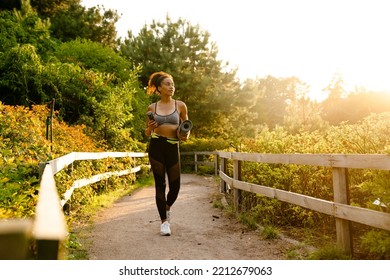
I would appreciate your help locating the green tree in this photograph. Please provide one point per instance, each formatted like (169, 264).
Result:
(70, 20)
(24, 27)
(49, 8)
(20, 71)
(96, 24)
(95, 56)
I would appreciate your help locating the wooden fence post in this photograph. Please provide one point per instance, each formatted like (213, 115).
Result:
(222, 168)
(216, 164)
(196, 162)
(341, 195)
(237, 176)
(14, 239)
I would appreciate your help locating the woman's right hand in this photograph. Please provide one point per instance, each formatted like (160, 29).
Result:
(150, 125)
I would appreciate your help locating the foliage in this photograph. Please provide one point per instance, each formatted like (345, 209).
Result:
(91, 84)
(20, 70)
(70, 20)
(24, 27)
(22, 146)
(48, 8)
(96, 24)
(377, 244)
(248, 221)
(94, 56)
(270, 232)
(204, 144)
(119, 118)
(328, 253)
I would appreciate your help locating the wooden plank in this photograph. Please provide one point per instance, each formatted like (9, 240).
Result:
(198, 163)
(367, 161)
(199, 153)
(304, 159)
(352, 213)
(363, 216)
(226, 155)
(205, 153)
(308, 202)
(226, 178)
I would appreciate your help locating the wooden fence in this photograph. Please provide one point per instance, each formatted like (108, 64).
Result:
(339, 208)
(197, 161)
(49, 227)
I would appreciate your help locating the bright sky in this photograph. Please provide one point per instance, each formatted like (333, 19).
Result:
(309, 39)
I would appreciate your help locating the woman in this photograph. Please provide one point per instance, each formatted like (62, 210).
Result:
(164, 156)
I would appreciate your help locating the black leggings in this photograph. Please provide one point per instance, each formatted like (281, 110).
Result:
(164, 158)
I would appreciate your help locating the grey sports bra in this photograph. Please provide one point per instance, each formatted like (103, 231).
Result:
(172, 118)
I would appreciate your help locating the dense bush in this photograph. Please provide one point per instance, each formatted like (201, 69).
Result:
(23, 145)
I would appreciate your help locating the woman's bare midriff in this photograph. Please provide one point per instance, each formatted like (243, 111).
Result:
(167, 130)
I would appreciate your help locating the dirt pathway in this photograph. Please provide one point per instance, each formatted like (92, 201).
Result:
(129, 230)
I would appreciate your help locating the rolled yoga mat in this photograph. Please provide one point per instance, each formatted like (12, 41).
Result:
(185, 127)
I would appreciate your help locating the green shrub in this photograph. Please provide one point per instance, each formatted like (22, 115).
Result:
(377, 244)
(270, 232)
(248, 221)
(329, 253)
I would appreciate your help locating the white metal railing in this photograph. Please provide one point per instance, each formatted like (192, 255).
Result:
(49, 226)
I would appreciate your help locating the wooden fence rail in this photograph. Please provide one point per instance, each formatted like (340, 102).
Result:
(49, 227)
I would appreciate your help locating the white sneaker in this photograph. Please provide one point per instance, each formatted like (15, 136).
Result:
(164, 229)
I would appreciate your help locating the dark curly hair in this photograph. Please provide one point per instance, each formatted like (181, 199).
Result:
(155, 81)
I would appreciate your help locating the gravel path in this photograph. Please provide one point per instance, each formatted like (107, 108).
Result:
(129, 229)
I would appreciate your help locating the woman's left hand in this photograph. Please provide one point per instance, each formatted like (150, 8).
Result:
(183, 137)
